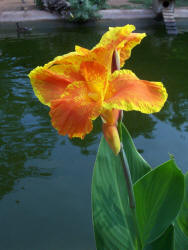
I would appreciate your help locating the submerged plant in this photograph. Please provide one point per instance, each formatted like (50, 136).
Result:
(85, 84)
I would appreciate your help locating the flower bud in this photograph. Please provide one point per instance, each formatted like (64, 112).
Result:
(112, 137)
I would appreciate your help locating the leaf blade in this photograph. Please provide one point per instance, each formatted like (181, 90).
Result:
(138, 166)
(158, 200)
(112, 218)
(181, 223)
(165, 241)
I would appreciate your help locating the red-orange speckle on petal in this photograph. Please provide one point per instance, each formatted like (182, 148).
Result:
(127, 92)
(129, 43)
(47, 85)
(72, 115)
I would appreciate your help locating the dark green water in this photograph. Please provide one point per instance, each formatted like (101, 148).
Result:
(45, 178)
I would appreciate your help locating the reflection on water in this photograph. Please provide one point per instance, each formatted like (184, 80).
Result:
(167, 60)
(45, 178)
(25, 129)
(171, 54)
(89, 140)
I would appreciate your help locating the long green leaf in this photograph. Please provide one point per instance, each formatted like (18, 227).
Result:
(181, 240)
(164, 242)
(159, 195)
(183, 214)
(138, 166)
(112, 219)
(181, 224)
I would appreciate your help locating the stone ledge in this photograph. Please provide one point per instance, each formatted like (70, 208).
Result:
(126, 14)
(33, 15)
(30, 15)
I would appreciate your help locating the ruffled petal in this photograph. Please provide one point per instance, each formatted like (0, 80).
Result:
(127, 92)
(67, 65)
(73, 113)
(95, 75)
(47, 85)
(81, 50)
(72, 64)
(121, 39)
(71, 57)
(103, 56)
(129, 43)
(100, 55)
(50, 81)
(115, 36)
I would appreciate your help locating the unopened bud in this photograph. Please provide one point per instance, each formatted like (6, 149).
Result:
(112, 137)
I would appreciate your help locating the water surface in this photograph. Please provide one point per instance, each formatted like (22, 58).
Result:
(45, 178)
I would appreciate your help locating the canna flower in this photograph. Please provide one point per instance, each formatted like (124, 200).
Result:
(85, 84)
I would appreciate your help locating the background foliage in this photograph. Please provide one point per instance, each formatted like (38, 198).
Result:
(84, 10)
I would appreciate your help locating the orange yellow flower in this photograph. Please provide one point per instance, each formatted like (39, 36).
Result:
(81, 85)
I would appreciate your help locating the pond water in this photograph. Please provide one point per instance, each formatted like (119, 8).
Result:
(45, 178)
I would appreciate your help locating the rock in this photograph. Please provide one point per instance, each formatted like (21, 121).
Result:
(58, 6)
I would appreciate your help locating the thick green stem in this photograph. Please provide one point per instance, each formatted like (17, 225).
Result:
(129, 185)
(116, 66)
(127, 178)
